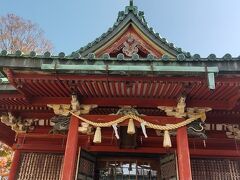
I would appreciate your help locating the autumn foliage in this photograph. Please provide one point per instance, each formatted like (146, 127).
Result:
(6, 155)
(19, 34)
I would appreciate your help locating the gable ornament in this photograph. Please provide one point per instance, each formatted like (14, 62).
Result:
(130, 47)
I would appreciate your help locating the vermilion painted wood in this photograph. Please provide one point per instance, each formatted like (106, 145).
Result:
(42, 142)
(48, 87)
(6, 134)
(107, 85)
(13, 95)
(11, 77)
(89, 86)
(160, 150)
(234, 80)
(133, 101)
(55, 87)
(41, 138)
(213, 117)
(36, 114)
(115, 149)
(31, 80)
(103, 90)
(184, 166)
(37, 135)
(215, 153)
(40, 147)
(14, 165)
(70, 156)
(114, 46)
(156, 148)
(233, 93)
(97, 88)
(62, 88)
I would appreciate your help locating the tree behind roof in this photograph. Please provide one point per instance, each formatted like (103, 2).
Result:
(17, 33)
(6, 154)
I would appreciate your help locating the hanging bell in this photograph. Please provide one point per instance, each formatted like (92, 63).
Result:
(167, 140)
(131, 127)
(97, 136)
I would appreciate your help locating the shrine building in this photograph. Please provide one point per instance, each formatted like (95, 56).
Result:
(129, 105)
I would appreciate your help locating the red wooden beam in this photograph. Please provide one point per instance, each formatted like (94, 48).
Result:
(214, 153)
(161, 150)
(184, 166)
(220, 78)
(6, 134)
(39, 136)
(106, 149)
(11, 95)
(40, 147)
(132, 101)
(11, 77)
(37, 115)
(50, 100)
(70, 156)
(15, 164)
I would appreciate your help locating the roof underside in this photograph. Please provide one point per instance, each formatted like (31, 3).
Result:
(129, 65)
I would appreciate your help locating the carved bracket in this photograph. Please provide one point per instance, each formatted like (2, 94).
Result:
(62, 118)
(125, 110)
(233, 132)
(194, 129)
(182, 112)
(17, 124)
(75, 106)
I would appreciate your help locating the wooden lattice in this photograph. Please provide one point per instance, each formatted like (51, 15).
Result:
(40, 166)
(87, 167)
(215, 169)
(168, 167)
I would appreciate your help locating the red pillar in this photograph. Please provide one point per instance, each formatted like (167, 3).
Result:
(14, 165)
(184, 166)
(70, 156)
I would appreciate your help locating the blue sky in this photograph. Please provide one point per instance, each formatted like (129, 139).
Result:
(197, 26)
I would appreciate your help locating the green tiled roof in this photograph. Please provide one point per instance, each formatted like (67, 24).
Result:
(120, 57)
(131, 13)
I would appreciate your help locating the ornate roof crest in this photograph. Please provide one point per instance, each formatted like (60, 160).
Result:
(130, 46)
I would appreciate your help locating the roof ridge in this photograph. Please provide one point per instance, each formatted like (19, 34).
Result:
(76, 56)
(141, 18)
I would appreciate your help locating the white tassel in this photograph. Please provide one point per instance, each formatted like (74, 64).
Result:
(131, 127)
(115, 130)
(97, 136)
(167, 140)
(144, 129)
(204, 143)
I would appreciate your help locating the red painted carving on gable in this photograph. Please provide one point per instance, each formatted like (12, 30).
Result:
(130, 46)
(129, 43)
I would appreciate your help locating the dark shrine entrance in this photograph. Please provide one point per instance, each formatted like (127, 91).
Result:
(122, 166)
(137, 166)
(118, 168)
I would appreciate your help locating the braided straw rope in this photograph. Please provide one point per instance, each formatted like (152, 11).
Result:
(136, 118)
